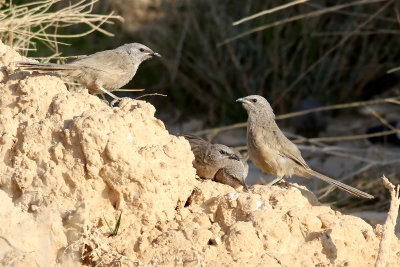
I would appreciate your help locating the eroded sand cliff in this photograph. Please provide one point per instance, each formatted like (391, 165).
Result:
(68, 161)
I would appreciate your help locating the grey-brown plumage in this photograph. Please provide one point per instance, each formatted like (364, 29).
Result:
(218, 162)
(234, 173)
(102, 72)
(272, 152)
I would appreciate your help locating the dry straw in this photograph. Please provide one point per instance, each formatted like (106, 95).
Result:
(21, 26)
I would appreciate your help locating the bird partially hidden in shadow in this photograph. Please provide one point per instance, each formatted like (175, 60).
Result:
(102, 72)
(218, 162)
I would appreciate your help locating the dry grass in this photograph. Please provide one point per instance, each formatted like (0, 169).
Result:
(332, 49)
(336, 51)
(93, 249)
(22, 26)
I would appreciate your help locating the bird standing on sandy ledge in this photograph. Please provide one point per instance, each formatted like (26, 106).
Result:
(102, 72)
(272, 152)
(218, 162)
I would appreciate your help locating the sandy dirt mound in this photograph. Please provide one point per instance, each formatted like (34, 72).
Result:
(68, 162)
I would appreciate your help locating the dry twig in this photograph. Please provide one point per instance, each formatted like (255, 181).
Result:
(298, 17)
(268, 11)
(388, 228)
(393, 70)
(146, 95)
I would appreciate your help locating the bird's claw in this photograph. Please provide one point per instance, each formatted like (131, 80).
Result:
(116, 100)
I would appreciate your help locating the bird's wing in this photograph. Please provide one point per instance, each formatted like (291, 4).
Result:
(279, 142)
(200, 147)
(104, 61)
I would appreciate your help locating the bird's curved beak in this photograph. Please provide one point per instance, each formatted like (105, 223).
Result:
(243, 101)
(234, 156)
(155, 54)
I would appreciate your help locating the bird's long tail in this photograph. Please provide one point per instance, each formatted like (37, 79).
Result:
(340, 185)
(43, 66)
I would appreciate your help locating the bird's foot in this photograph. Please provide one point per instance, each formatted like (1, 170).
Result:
(116, 100)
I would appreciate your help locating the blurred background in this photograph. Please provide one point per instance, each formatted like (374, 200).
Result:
(336, 59)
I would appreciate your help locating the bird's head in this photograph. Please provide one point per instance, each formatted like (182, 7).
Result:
(255, 104)
(224, 152)
(236, 171)
(140, 52)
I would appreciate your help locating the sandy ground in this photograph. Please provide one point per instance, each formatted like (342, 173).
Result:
(68, 162)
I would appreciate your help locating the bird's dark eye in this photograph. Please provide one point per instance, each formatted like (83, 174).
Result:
(141, 49)
(222, 152)
(254, 100)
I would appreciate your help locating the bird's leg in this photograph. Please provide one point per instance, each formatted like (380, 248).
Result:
(104, 98)
(276, 180)
(116, 98)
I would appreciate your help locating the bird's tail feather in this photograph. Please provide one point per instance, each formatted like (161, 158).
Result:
(340, 185)
(43, 66)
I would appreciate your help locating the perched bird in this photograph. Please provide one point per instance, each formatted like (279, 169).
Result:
(102, 72)
(218, 162)
(272, 152)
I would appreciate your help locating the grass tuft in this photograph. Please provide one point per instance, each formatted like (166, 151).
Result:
(114, 232)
